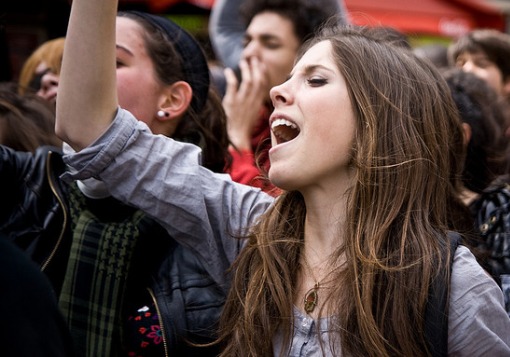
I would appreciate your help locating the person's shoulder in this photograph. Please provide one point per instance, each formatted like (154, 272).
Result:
(470, 283)
(477, 321)
(465, 263)
(463, 259)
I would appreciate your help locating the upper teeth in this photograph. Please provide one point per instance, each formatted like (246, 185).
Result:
(278, 122)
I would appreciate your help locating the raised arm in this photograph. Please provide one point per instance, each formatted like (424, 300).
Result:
(87, 94)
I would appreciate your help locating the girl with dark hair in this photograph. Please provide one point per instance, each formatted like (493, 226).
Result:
(124, 285)
(484, 117)
(486, 184)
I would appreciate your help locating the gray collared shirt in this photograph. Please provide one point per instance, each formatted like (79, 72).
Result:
(477, 325)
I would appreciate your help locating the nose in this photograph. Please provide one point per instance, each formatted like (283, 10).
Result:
(468, 66)
(280, 94)
(49, 85)
(251, 50)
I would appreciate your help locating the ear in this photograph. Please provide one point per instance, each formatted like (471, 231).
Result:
(177, 99)
(466, 128)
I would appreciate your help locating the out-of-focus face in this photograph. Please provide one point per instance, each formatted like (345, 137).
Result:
(137, 87)
(271, 38)
(45, 82)
(313, 126)
(480, 65)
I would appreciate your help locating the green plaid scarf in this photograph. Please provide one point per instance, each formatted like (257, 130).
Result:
(96, 275)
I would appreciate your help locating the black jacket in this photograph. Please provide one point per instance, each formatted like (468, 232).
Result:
(491, 212)
(32, 325)
(34, 213)
(35, 216)
(492, 220)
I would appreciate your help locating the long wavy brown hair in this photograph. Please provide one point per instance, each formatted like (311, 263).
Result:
(407, 155)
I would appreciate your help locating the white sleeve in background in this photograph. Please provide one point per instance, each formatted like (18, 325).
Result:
(477, 321)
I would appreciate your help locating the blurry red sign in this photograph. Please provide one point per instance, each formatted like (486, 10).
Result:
(162, 5)
(450, 18)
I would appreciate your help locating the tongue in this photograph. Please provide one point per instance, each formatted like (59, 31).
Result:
(286, 133)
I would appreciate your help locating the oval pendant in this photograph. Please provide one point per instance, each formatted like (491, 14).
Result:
(311, 298)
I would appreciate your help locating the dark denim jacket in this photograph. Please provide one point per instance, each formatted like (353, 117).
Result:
(492, 220)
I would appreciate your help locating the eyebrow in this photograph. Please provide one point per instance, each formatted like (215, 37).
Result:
(308, 69)
(473, 54)
(480, 55)
(268, 36)
(262, 37)
(124, 49)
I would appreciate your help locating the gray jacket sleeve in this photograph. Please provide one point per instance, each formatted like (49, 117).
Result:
(477, 321)
(200, 209)
(226, 30)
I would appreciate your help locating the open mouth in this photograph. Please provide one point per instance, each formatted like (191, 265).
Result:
(284, 130)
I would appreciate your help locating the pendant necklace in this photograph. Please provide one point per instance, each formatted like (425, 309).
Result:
(311, 298)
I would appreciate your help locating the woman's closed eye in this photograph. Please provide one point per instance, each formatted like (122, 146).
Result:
(316, 81)
(483, 63)
(271, 44)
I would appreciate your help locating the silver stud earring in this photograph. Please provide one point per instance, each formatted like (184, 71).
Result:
(162, 114)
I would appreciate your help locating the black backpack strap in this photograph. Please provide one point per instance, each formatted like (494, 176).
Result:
(436, 311)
